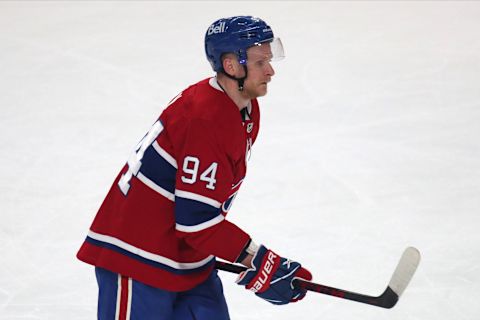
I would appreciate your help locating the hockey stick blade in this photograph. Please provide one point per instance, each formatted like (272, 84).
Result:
(405, 270)
(401, 277)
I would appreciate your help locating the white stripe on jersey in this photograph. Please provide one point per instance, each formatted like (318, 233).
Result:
(237, 184)
(170, 196)
(165, 155)
(130, 294)
(119, 297)
(197, 197)
(201, 226)
(148, 255)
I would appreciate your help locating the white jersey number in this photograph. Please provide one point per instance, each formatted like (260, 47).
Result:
(190, 168)
(135, 160)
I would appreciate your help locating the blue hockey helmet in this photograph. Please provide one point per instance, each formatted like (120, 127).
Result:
(236, 35)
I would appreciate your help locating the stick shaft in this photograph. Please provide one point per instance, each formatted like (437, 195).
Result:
(387, 300)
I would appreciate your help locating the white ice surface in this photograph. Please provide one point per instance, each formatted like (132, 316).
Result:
(370, 143)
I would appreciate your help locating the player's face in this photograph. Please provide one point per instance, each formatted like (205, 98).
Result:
(260, 70)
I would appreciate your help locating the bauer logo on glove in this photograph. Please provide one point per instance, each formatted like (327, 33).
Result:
(265, 275)
(271, 277)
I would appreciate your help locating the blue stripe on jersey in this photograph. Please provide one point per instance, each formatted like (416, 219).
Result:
(148, 261)
(190, 212)
(158, 170)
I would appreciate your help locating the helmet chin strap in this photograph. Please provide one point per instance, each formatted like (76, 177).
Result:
(241, 80)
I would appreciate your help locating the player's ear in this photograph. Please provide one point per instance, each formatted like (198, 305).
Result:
(230, 64)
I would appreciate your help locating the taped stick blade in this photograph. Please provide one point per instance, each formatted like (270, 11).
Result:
(405, 270)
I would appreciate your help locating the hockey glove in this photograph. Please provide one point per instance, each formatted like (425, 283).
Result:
(271, 277)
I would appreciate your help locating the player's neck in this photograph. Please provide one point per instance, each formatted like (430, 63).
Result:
(230, 87)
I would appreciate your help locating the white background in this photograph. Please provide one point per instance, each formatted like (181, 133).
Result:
(370, 143)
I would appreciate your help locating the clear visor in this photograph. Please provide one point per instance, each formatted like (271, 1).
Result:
(270, 51)
(277, 49)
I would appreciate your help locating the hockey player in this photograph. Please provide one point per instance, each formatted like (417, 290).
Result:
(155, 237)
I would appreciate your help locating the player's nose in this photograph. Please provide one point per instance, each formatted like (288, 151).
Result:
(270, 71)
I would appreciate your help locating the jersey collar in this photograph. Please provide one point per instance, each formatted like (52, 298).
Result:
(214, 84)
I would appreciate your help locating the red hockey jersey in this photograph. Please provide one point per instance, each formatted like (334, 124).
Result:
(163, 220)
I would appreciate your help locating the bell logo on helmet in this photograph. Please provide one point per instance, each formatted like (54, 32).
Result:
(220, 28)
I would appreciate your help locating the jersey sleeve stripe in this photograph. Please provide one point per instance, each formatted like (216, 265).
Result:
(191, 213)
(158, 170)
(165, 155)
(201, 226)
(105, 240)
(170, 196)
(197, 197)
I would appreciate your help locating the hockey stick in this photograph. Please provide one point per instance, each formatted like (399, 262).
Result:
(399, 281)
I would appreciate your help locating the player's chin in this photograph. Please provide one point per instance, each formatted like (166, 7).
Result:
(262, 90)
